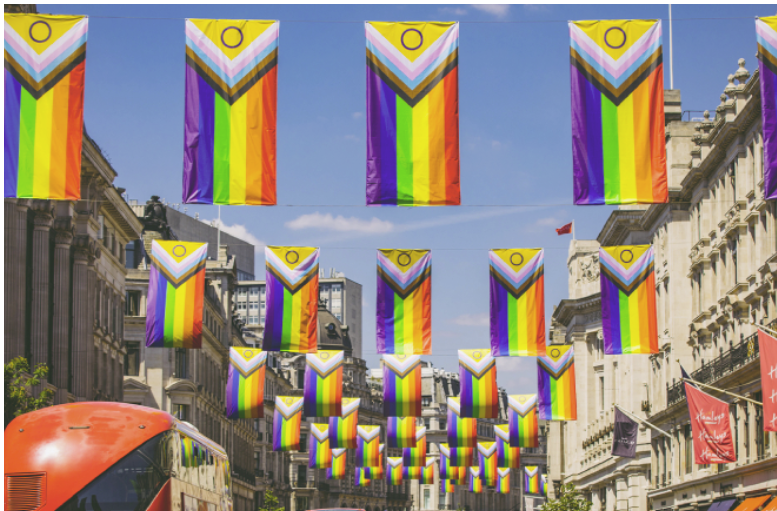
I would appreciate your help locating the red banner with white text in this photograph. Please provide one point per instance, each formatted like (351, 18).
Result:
(767, 346)
(711, 427)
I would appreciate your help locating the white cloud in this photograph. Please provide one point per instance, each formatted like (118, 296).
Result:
(498, 10)
(239, 231)
(352, 138)
(480, 319)
(458, 11)
(357, 115)
(495, 144)
(340, 224)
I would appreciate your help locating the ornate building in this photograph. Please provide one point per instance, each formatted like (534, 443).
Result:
(65, 283)
(715, 251)
(190, 383)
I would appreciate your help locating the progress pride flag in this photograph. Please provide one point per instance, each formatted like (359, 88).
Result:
(767, 346)
(712, 440)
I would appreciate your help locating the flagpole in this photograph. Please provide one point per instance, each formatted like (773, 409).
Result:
(573, 231)
(671, 60)
(723, 391)
(767, 330)
(646, 423)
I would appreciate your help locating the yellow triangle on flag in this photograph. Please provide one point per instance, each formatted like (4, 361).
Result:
(412, 38)
(615, 37)
(232, 36)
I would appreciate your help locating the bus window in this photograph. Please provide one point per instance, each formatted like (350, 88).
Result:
(132, 483)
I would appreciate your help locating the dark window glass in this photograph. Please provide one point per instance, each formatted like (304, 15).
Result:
(132, 483)
(132, 359)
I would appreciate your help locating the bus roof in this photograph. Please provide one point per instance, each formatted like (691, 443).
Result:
(74, 443)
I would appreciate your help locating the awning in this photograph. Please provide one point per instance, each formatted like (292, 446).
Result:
(722, 505)
(771, 506)
(752, 503)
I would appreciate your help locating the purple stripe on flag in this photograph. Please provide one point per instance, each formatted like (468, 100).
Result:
(385, 318)
(13, 103)
(310, 393)
(465, 401)
(388, 142)
(232, 394)
(587, 155)
(374, 152)
(155, 309)
(544, 398)
(273, 322)
(769, 116)
(500, 337)
(389, 393)
(611, 317)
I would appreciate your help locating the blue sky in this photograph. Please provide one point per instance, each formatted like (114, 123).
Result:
(514, 132)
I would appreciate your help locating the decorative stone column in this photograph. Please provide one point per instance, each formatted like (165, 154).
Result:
(15, 277)
(60, 376)
(41, 301)
(83, 317)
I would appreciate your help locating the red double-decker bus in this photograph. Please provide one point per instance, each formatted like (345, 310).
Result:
(112, 457)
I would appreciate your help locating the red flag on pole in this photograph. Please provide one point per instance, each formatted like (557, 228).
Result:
(565, 229)
(711, 427)
(767, 346)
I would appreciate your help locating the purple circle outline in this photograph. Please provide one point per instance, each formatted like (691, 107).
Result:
(630, 253)
(402, 39)
(621, 31)
(225, 31)
(41, 40)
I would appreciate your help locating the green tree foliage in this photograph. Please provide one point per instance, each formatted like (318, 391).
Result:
(569, 500)
(19, 398)
(270, 502)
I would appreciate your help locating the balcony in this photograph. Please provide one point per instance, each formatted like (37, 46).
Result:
(728, 362)
(303, 483)
(241, 474)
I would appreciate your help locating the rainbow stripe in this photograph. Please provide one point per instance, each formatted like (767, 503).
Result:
(394, 468)
(479, 397)
(401, 432)
(628, 287)
(544, 484)
(44, 105)
(320, 455)
(412, 114)
(488, 462)
(287, 423)
(618, 149)
(447, 486)
(766, 34)
(245, 383)
(188, 459)
(176, 289)
(507, 457)
(447, 471)
(522, 417)
(556, 384)
(337, 470)
(230, 111)
(401, 385)
(360, 477)
(291, 323)
(412, 473)
(324, 383)
(503, 481)
(367, 446)
(404, 310)
(462, 432)
(475, 482)
(374, 473)
(532, 480)
(416, 456)
(517, 302)
(342, 430)
(459, 456)
(427, 474)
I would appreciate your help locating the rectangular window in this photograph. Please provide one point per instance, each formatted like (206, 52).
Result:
(133, 303)
(426, 400)
(443, 424)
(688, 434)
(241, 306)
(130, 254)
(427, 498)
(300, 379)
(253, 320)
(335, 288)
(254, 291)
(601, 394)
(241, 291)
(180, 363)
(254, 306)
(132, 359)
(181, 412)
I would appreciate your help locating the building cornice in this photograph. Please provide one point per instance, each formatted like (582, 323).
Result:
(571, 307)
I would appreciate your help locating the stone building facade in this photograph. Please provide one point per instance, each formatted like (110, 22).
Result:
(715, 250)
(65, 283)
(189, 383)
